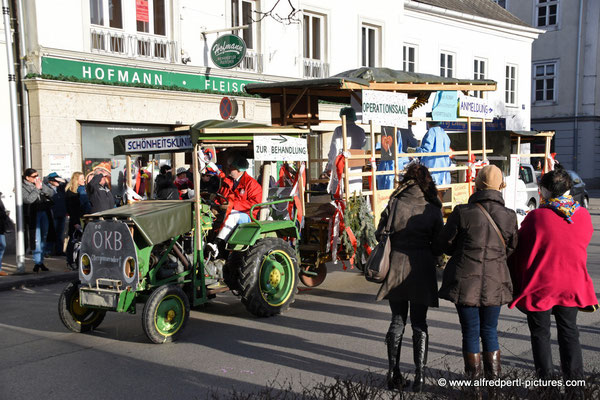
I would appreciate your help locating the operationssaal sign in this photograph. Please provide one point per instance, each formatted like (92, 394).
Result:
(228, 51)
(157, 144)
(385, 108)
(280, 148)
(475, 107)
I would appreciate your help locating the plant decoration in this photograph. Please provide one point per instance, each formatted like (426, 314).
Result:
(359, 218)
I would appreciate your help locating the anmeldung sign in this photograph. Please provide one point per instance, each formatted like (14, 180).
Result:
(158, 143)
(475, 107)
(280, 148)
(445, 106)
(228, 51)
(385, 108)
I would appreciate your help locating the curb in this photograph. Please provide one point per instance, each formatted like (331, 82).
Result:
(38, 281)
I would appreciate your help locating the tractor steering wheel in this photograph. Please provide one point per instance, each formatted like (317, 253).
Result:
(210, 198)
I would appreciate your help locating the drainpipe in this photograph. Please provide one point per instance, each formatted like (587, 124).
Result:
(576, 123)
(14, 119)
(24, 92)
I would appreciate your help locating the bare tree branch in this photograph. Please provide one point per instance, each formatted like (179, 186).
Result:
(291, 17)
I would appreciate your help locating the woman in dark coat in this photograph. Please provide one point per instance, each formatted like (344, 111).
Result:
(551, 276)
(76, 203)
(477, 278)
(411, 281)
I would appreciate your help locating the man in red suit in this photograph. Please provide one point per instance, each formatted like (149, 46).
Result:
(241, 191)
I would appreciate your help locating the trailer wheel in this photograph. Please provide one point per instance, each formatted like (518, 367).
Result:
(73, 315)
(268, 277)
(165, 314)
(313, 276)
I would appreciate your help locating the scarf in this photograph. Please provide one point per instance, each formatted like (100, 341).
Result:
(563, 205)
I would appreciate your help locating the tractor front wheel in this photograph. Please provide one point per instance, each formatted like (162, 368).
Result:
(268, 277)
(165, 314)
(73, 315)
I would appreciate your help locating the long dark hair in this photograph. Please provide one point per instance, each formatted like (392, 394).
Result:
(421, 176)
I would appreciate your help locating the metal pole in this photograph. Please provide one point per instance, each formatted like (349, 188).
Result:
(24, 92)
(14, 119)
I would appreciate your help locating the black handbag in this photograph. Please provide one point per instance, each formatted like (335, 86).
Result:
(378, 263)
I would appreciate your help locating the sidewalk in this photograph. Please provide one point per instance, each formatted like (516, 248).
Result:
(57, 266)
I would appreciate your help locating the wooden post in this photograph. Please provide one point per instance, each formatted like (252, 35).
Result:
(547, 154)
(519, 147)
(128, 177)
(301, 185)
(266, 175)
(396, 177)
(373, 175)
(345, 150)
(483, 138)
(197, 206)
(469, 150)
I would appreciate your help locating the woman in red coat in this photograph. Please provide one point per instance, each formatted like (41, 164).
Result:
(550, 274)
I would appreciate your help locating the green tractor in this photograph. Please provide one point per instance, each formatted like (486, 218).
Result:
(153, 252)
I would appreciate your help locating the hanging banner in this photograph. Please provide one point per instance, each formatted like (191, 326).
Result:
(385, 108)
(475, 107)
(141, 11)
(280, 148)
(445, 106)
(387, 143)
(158, 143)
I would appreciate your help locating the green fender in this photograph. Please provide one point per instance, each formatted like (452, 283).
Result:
(247, 234)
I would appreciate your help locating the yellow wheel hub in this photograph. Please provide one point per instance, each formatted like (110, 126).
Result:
(274, 277)
(170, 316)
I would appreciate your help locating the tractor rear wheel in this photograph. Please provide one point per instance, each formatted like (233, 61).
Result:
(269, 277)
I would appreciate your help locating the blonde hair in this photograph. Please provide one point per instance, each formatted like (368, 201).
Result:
(73, 185)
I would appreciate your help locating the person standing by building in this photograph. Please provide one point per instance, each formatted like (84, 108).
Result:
(98, 191)
(76, 208)
(550, 273)
(479, 236)
(59, 214)
(435, 140)
(3, 228)
(411, 282)
(355, 139)
(37, 201)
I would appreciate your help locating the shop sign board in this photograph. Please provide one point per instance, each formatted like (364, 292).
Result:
(445, 106)
(228, 51)
(158, 144)
(141, 11)
(385, 108)
(120, 74)
(497, 124)
(475, 107)
(61, 164)
(280, 148)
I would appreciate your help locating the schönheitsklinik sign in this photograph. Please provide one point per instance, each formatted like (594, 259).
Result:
(475, 107)
(228, 51)
(385, 108)
(280, 148)
(158, 143)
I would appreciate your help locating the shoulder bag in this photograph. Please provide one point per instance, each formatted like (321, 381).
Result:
(489, 217)
(378, 264)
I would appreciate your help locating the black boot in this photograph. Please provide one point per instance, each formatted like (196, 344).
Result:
(491, 370)
(394, 346)
(420, 349)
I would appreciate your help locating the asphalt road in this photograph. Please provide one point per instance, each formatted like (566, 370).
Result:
(334, 330)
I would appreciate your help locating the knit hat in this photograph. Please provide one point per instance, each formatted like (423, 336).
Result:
(489, 178)
(181, 170)
(241, 164)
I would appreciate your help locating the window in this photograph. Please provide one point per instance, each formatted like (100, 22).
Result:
(544, 81)
(447, 65)
(501, 3)
(526, 175)
(115, 20)
(510, 91)
(370, 45)
(241, 14)
(409, 57)
(313, 33)
(479, 71)
(547, 12)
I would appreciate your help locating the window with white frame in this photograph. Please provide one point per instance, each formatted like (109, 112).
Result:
(479, 71)
(547, 12)
(501, 3)
(510, 90)
(313, 45)
(371, 45)
(242, 13)
(447, 64)
(544, 76)
(409, 58)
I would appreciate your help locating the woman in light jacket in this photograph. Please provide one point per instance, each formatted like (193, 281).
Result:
(411, 282)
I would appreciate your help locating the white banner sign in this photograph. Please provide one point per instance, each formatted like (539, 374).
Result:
(475, 107)
(61, 164)
(280, 148)
(158, 144)
(385, 108)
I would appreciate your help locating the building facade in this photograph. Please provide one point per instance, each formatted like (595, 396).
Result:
(564, 94)
(100, 68)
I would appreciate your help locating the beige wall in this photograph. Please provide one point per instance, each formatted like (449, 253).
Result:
(57, 108)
